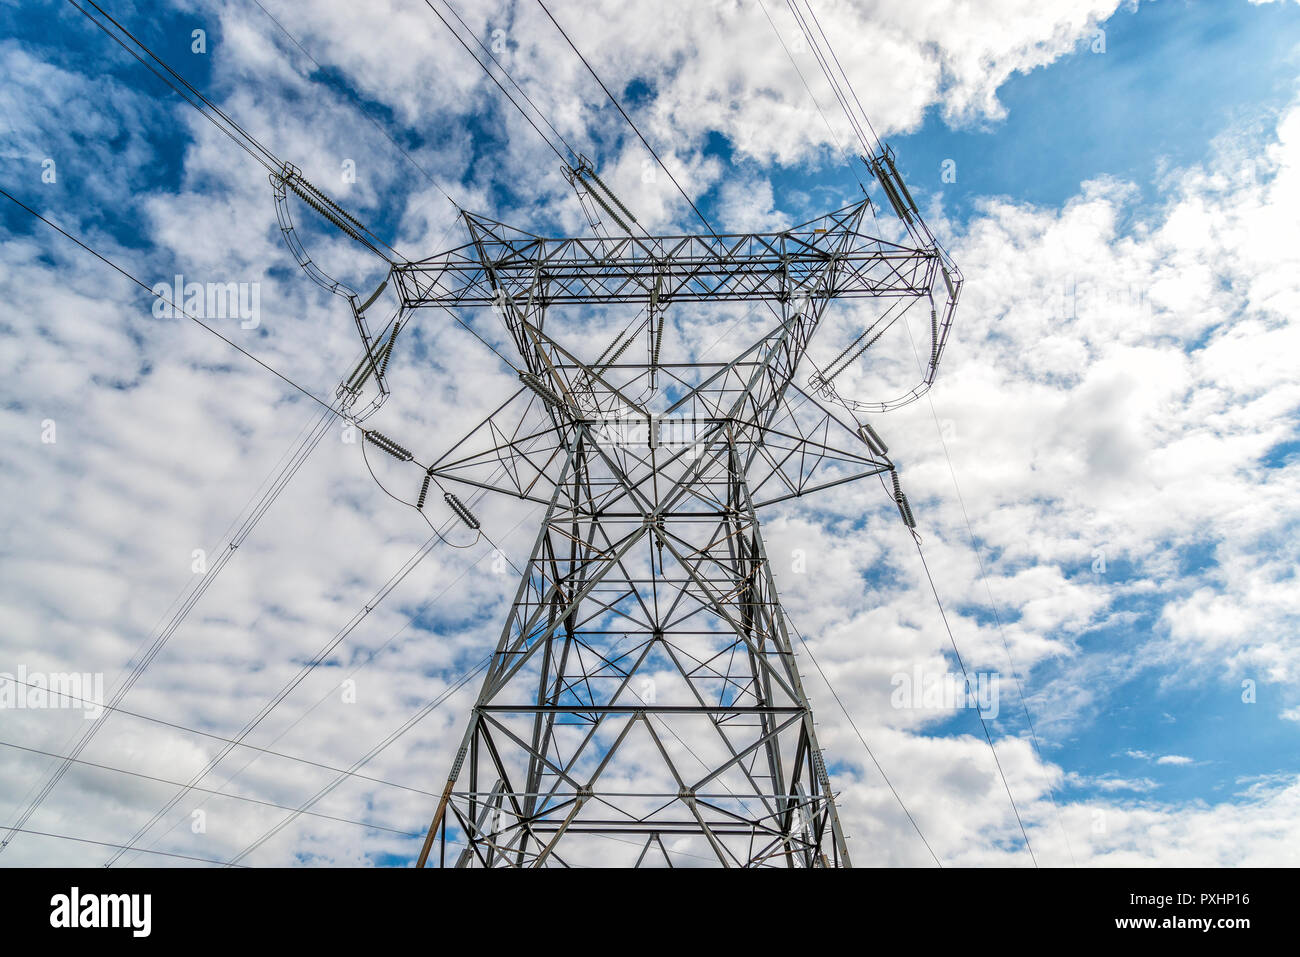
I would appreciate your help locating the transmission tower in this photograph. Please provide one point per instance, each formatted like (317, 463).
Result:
(643, 704)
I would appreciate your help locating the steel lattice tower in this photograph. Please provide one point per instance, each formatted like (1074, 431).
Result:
(643, 687)
(643, 690)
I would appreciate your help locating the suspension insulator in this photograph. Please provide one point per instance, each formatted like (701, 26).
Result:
(388, 349)
(610, 212)
(618, 353)
(904, 509)
(882, 175)
(901, 187)
(424, 490)
(948, 281)
(331, 213)
(873, 440)
(545, 392)
(373, 296)
(934, 337)
(389, 446)
(318, 198)
(463, 513)
(359, 376)
(610, 193)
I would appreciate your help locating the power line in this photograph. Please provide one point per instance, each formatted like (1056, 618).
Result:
(269, 707)
(411, 722)
(190, 596)
(343, 634)
(86, 840)
(361, 108)
(824, 59)
(369, 660)
(814, 765)
(165, 634)
(619, 106)
(811, 95)
(979, 714)
(243, 139)
(251, 145)
(1020, 691)
(866, 118)
(853, 724)
(825, 68)
(117, 709)
(158, 643)
(212, 112)
(1006, 646)
(180, 597)
(844, 102)
(179, 309)
(194, 597)
(161, 639)
(215, 793)
(500, 66)
(508, 96)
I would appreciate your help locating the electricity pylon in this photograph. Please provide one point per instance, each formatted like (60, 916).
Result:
(643, 704)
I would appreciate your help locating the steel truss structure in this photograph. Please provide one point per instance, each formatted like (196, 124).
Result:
(643, 705)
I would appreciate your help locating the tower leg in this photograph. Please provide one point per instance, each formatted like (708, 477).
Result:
(643, 701)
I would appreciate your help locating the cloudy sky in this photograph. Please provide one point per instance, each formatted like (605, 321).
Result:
(1106, 476)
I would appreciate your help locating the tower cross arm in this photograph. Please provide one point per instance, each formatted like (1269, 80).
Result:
(505, 263)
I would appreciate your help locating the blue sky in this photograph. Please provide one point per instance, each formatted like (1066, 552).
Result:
(1173, 75)
(1160, 167)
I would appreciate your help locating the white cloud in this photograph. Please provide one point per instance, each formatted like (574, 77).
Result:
(1134, 424)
